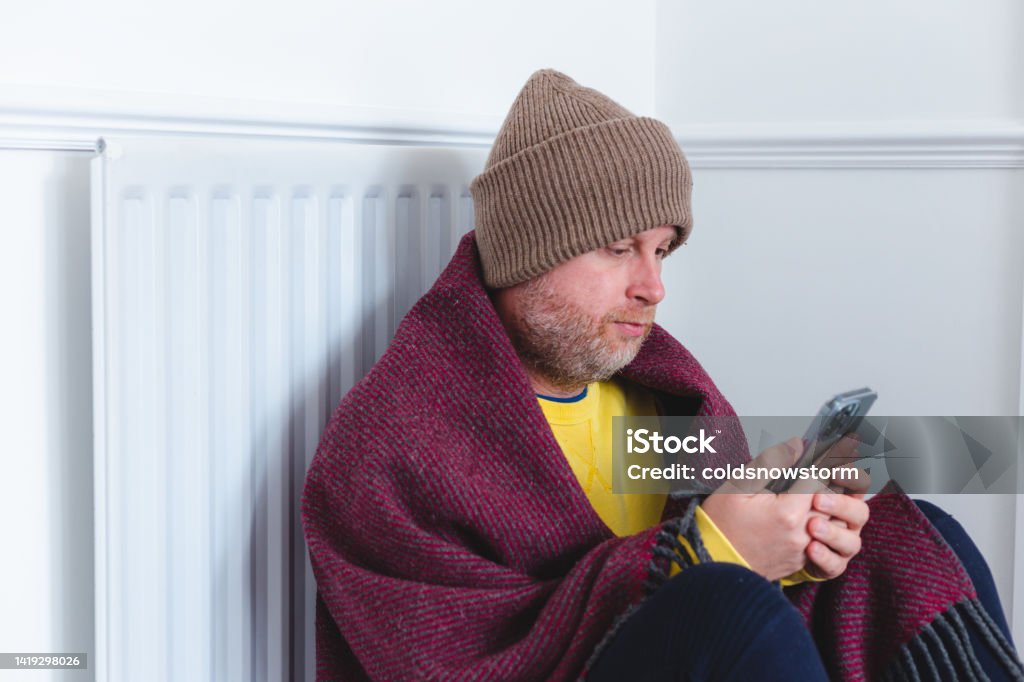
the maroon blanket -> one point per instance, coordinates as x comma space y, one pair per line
450, 539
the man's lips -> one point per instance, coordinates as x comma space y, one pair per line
632, 328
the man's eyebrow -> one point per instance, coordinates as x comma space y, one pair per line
664, 243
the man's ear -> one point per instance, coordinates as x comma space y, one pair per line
502, 300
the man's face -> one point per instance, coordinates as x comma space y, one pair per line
586, 319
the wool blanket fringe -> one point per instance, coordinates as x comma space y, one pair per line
942, 650
450, 539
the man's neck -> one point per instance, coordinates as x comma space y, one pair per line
543, 386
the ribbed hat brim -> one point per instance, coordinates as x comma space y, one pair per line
586, 188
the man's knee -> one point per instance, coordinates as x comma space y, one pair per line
736, 620
954, 534
951, 530
932, 511
715, 580
725, 596
714, 621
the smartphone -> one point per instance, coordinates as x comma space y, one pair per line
836, 418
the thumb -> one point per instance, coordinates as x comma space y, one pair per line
780, 456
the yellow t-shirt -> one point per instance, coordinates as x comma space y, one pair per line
583, 428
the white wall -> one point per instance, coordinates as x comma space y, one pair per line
800, 283
745, 62
453, 56
858, 202
46, 577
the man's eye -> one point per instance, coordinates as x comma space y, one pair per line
661, 253
618, 250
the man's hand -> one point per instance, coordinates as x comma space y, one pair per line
836, 532
769, 531
809, 525
839, 518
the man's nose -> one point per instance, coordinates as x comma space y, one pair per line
645, 283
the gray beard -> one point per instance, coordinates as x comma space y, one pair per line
559, 341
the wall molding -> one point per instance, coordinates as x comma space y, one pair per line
898, 144
74, 119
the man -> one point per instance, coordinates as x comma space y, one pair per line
459, 514
575, 326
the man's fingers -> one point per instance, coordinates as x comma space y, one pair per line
842, 452
825, 562
856, 483
840, 457
798, 501
809, 485
839, 539
779, 456
852, 510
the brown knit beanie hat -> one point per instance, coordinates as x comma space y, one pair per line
572, 171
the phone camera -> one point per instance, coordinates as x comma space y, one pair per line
840, 422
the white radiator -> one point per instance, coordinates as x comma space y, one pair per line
240, 288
